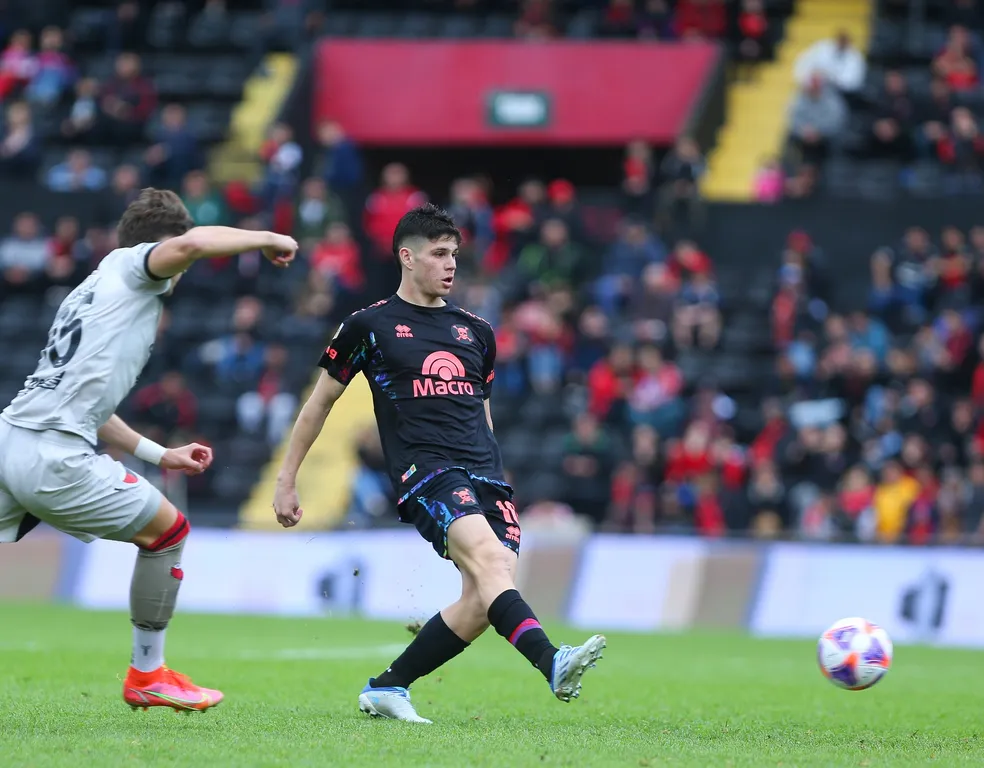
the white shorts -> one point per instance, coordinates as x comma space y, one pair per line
59, 479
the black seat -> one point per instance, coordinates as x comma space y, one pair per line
376, 25
497, 26
340, 24
243, 29
210, 122
216, 412
416, 25
458, 27
209, 31
224, 83
87, 26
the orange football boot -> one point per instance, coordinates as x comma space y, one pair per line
166, 688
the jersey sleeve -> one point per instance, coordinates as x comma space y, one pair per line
133, 265
345, 354
488, 370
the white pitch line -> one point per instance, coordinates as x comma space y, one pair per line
325, 653
322, 654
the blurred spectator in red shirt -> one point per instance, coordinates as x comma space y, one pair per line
610, 382
516, 223
386, 206
127, 101
17, 63
701, 18
688, 260
977, 388
763, 447
637, 184
536, 20
655, 398
691, 456
753, 35
338, 255
619, 20
167, 405
955, 64
562, 204
66, 233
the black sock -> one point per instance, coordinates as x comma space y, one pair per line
433, 646
515, 621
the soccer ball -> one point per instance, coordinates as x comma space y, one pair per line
854, 654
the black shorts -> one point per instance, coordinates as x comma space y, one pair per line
454, 494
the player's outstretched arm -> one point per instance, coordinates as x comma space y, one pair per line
309, 424
191, 459
175, 255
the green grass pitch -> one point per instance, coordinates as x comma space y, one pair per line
292, 685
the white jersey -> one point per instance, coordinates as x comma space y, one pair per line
98, 344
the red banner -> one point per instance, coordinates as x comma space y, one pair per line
509, 92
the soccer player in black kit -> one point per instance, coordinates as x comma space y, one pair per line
430, 366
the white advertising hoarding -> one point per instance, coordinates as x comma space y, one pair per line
636, 582
380, 574
930, 595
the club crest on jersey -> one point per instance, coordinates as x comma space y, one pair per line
464, 496
462, 333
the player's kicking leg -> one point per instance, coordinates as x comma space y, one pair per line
478, 551
480, 546
154, 588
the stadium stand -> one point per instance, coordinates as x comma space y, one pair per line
664, 363
910, 128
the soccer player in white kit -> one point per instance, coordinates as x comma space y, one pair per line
99, 342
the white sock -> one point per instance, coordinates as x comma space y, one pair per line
148, 649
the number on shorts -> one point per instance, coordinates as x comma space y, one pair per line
508, 510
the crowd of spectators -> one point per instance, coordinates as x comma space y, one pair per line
917, 105
869, 428
869, 425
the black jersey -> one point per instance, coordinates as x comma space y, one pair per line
430, 370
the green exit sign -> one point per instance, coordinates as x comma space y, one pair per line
519, 109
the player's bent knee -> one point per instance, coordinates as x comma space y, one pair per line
168, 529
489, 561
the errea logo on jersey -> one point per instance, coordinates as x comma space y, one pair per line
446, 368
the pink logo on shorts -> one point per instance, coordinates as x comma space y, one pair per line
131, 478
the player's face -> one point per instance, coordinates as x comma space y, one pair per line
434, 265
